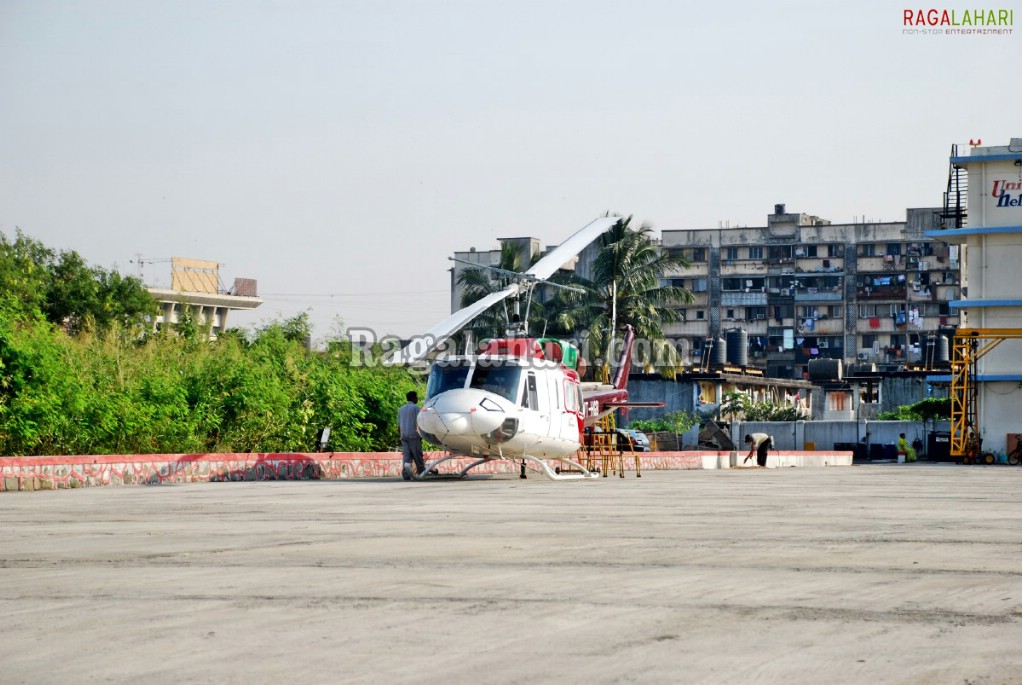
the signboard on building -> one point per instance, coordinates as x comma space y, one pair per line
998, 185
194, 275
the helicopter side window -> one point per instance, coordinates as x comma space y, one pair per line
500, 380
443, 378
530, 398
570, 397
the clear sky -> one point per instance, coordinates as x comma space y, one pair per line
339, 151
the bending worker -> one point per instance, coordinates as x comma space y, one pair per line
758, 444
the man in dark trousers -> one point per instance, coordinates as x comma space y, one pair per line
758, 443
411, 442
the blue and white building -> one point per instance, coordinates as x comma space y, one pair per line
989, 232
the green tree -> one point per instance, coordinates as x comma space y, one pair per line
24, 273
69, 292
929, 409
734, 405
628, 287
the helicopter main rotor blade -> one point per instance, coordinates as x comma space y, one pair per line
546, 267
420, 348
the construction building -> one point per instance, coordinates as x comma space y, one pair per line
196, 287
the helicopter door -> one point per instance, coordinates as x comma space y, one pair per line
556, 404
539, 401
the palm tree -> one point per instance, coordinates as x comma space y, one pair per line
627, 287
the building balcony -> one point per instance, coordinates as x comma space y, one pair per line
883, 292
881, 324
821, 265
734, 298
822, 327
923, 294
756, 327
880, 263
740, 267
809, 295
774, 354
698, 327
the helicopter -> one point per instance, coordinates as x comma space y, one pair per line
518, 398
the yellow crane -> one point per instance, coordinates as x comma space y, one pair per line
969, 346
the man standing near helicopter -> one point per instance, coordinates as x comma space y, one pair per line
411, 442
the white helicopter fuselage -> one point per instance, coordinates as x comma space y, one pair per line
503, 406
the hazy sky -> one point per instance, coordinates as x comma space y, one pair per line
339, 151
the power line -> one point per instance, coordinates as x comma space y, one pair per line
376, 294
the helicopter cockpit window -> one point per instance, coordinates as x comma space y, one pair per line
446, 377
500, 380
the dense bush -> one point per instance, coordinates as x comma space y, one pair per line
108, 394
929, 409
672, 422
79, 376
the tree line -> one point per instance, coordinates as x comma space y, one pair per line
82, 371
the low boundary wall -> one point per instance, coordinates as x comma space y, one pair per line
49, 473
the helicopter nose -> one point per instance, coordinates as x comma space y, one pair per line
463, 412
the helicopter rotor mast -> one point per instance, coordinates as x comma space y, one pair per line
542, 270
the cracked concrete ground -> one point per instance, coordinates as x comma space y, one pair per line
863, 574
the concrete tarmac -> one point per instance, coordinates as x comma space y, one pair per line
862, 574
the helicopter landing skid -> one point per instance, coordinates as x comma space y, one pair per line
432, 474
574, 470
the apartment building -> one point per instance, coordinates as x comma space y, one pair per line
803, 288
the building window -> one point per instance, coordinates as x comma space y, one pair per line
731, 253
835, 251
810, 250
699, 285
755, 253
837, 401
699, 254
730, 314
867, 250
893, 248
700, 315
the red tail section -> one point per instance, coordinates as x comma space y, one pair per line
624, 364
